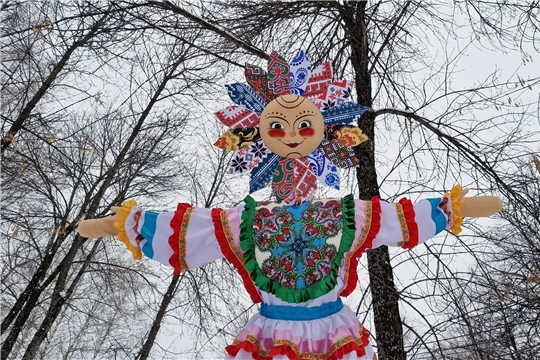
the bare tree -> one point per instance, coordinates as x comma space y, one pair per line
499, 298
99, 104
382, 46
42, 53
73, 153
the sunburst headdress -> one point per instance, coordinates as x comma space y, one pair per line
291, 177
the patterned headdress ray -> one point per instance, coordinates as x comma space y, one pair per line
291, 177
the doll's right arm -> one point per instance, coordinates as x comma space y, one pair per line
96, 228
183, 239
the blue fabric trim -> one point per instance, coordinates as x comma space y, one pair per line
278, 312
346, 113
437, 215
242, 94
147, 231
263, 173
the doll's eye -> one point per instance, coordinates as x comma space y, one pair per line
304, 124
276, 125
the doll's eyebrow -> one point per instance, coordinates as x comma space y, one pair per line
303, 116
278, 117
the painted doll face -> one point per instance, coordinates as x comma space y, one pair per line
291, 126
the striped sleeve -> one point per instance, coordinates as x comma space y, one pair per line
183, 239
406, 224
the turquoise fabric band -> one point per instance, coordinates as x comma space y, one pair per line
278, 312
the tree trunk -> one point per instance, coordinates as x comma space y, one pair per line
60, 296
388, 326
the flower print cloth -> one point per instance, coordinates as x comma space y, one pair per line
298, 261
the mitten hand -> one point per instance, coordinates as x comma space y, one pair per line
479, 206
96, 228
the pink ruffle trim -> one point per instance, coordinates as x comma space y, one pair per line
337, 351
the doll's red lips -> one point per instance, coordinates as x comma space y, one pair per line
293, 145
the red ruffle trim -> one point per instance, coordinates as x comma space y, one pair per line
287, 350
229, 254
374, 228
412, 227
174, 239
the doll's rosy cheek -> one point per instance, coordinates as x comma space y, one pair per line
276, 133
306, 132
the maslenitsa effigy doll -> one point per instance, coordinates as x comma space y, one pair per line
297, 256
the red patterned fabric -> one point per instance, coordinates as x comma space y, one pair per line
257, 79
278, 75
304, 179
282, 182
319, 80
237, 116
335, 94
340, 155
293, 178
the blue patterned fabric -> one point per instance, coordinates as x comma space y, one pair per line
299, 242
325, 171
262, 174
242, 94
346, 113
300, 68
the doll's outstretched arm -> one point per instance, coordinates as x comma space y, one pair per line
479, 206
96, 228
184, 239
406, 224
475, 206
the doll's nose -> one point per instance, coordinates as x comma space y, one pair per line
293, 133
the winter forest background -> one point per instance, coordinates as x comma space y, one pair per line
104, 101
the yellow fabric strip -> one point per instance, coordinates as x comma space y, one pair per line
230, 239
454, 196
182, 245
402, 224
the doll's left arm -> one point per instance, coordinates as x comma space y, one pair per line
406, 224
